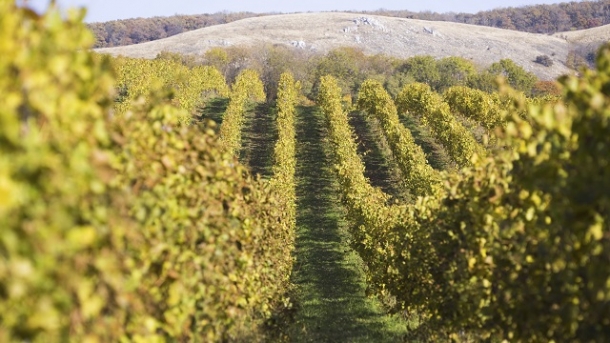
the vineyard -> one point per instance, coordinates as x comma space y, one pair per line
148, 201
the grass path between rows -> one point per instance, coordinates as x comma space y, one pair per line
259, 135
331, 305
435, 152
381, 171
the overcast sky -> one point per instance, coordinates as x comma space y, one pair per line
104, 10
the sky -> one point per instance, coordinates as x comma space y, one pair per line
105, 10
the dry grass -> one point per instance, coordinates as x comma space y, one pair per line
320, 32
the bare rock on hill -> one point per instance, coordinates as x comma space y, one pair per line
298, 44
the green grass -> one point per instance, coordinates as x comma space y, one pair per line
214, 110
331, 304
259, 135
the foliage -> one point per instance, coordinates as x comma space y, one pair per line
247, 87
140, 30
542, 88
270, 61
419, 100
419, 176
275, 61
62, 261
575, 61
476, 105
515, 75
217, 58
370, 219
344, 64
188, 85
122, 226
526, 205
471, 260
209, 259
283, 181
489, 79
454, 71
187, 60
422, 69
439, 74
119, 223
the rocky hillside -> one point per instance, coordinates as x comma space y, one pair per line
321, 32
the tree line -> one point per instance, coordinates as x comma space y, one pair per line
565, 16
351, 66
140, 30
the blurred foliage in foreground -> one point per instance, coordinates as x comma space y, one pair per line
119, 221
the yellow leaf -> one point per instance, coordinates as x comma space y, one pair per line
596, 231
82, 237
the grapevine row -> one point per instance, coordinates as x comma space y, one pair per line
475, 105
247, 87
410, 158
240, 223
283, 180
471, 261
136, 76
391, 240
419, 99
117, 222
533, 218
372, 223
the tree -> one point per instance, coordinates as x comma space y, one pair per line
517, 77
275, 61
542, 88
484, 81
344, 64
218, 58
187, 60
422, 69
454, 71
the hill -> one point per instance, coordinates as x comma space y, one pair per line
546, 18
400, 37
590, 38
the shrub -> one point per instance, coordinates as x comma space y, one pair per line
545, 60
